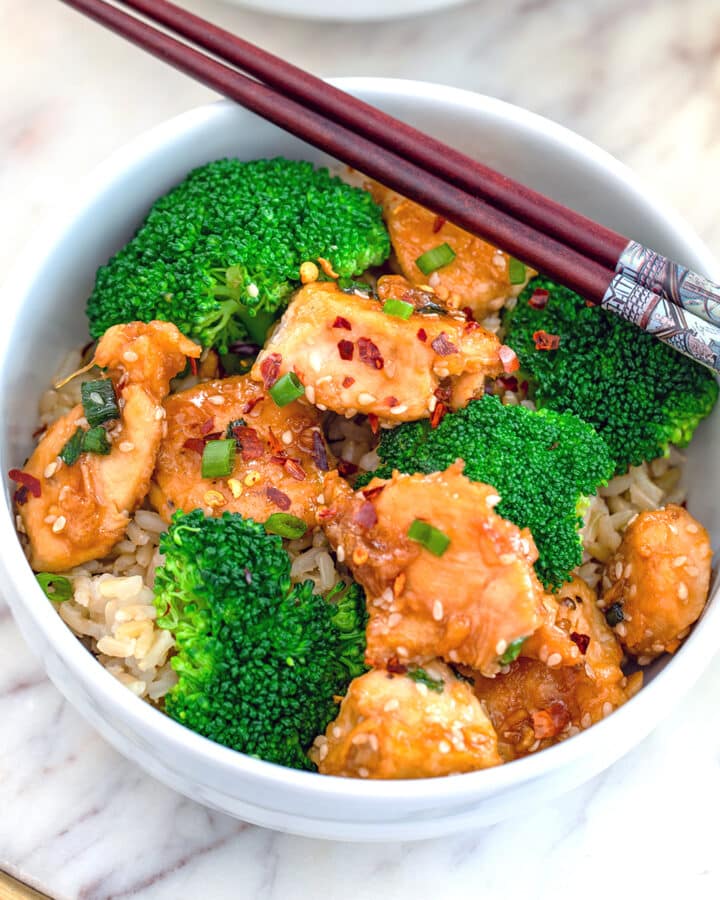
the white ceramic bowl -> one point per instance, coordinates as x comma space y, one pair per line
42, 317
348, 10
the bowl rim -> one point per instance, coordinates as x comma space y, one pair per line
120, 705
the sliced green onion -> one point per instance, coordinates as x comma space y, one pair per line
70, 453
435, 259
218, 459
431, 538
57, 588
99, 401
285, 525
512, 652
96, 441
398, 308
422, 677
516, 271
287, 389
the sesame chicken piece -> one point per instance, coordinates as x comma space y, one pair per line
465, 606
479, 275
279, 463
353, 357
568, 676
84, 508
391, 726
659, 581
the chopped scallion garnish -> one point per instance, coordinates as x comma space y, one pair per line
96, 441
516, 271
512, 652
398, 308
431, 538
286, 526
422, 677
57, 588
70, 453
99, 401
435, 259
287, 389
218, 459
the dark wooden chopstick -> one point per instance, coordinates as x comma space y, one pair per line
638, 284
565, 225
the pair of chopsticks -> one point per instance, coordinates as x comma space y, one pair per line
665, 299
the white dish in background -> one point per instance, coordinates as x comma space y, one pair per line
347, 10
42, 314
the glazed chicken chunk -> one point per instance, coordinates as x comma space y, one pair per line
550, 693
466, 605
279, 463
418, 725
479, 274
83, 509
353, 357
658, 581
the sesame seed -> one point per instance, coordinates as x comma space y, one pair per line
95, 397
618, 569
340, 553
50, 469
392, 704
453, 656
432, 403
492, 500
627, 571
644, 660
366, 399
444, 747
534, 746
64, 491
692, 528
126, 446
402, 651
130, 356
363, 772
159, 413
682, 590
252, 290
287, 437
373, 741
500, 647
544, 653
321, 499
554, 660
394, 619
692, 571
506, 559
316, 361
621, 629
321, 406
421, 688
632, 592
586, 720
437, 611
323, 752
607, 708
657, 648
216, 400
679, 561
399, 409
336, 732
310, 393
59, 524
49, 519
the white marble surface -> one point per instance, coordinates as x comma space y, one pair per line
639, 77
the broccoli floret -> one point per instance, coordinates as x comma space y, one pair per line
260, 661
543, 464
638, 393
219, 255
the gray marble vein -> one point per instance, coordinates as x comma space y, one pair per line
639, 77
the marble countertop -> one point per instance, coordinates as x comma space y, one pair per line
639, 77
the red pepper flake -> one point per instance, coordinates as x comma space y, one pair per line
251, 404
443, 346
249, 442
508, 358
590, 304
207, 426
438, 224
342, 322
345, 467
21, 495
471, 326
38, 431
26, 480
326, 513
294, 468
548, 723
422, 335
278, 497
582, 641
276, 445
319, 452
193, 365
369, 493
524, 387
374, 423
391, 401
348, 381
443, 392
508, 382
270, 369
438, 414
369, 353
468, 313
397, 668
346, 350
539, 298
365, 516
545, 341
197, 445
213, 436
